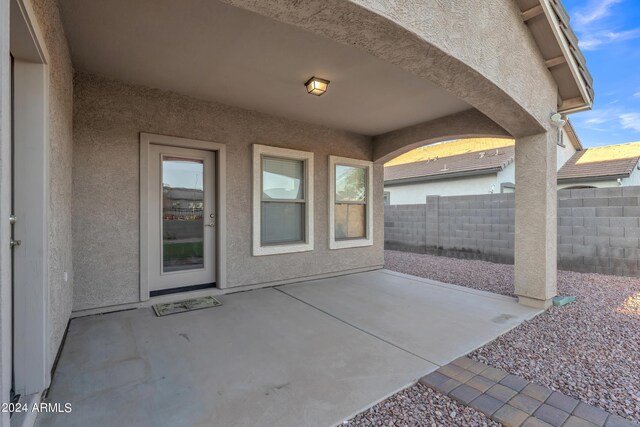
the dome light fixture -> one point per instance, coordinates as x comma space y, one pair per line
316, 86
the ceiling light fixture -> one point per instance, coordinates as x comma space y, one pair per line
317, 86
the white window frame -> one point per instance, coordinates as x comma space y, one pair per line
350, 243
259, 151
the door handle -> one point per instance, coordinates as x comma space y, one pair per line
14, 243
211, 224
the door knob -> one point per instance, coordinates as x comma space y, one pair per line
12, 219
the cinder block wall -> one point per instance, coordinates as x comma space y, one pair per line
598, 229
405, 228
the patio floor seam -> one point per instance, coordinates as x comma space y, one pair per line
358, 328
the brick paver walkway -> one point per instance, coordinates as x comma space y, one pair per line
514, 401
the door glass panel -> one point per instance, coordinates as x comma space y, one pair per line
182, 214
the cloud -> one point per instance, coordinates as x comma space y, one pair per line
630, 121
637, 94
595, 40
609, 120
595, 27
594, 11
600, 119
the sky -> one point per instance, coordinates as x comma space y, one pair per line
609, 34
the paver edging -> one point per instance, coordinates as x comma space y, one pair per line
514, 401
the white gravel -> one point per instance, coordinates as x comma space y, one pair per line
589, 349
420, 406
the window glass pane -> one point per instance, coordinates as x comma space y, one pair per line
351, 184
282, 222
182, 218
282, 179
350, 221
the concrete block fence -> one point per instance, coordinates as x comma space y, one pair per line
598, 229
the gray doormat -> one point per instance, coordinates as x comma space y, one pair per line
186, 305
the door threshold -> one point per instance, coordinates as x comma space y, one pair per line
181, 289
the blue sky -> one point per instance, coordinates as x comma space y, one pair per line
609, 33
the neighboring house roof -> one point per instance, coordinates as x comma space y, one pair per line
466, 164
548, 22
609, 162
450, 148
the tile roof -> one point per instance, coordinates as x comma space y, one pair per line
613, 161
450, 148
474, 163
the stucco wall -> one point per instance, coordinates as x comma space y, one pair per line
416, 193
60, 154
474, 32
108, 117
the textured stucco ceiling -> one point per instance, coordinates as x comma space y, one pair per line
213, 51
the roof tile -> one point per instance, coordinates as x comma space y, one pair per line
469, 163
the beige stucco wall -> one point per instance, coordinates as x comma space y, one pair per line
108, 117
60, 154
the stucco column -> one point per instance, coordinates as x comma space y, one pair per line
536, 227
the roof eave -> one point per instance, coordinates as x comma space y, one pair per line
585, 100
593, 178
438, 177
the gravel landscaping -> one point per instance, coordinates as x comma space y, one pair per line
589, 349
420, 406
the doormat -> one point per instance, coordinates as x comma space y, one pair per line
186, 305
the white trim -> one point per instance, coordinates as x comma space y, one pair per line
307, 157
31, 258
5, 209
221, 203
351, 243
31, 352
27, 41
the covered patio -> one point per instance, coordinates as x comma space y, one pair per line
168, 150
313, 353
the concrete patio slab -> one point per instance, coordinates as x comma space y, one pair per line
436, 321
260, 359
314, 353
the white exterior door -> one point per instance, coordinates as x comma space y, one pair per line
181, 218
